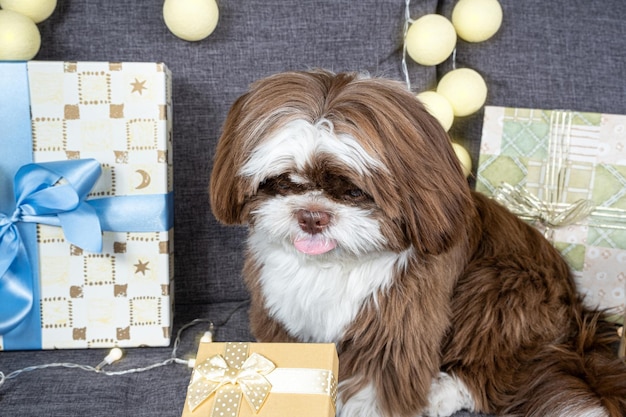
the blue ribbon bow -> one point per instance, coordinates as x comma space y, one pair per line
50, 193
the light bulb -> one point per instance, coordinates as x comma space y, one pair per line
114, 355
207, 337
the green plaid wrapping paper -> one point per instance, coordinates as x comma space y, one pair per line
570, 169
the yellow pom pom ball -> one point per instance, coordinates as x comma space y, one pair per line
19, 37
465, 89
191, 20
438, 106
464, 158
37, 10
430, 39
477, 20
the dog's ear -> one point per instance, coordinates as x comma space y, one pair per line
435, 196
425, 192
226, 188
269, 104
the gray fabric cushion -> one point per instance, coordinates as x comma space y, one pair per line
63, 392
556, 54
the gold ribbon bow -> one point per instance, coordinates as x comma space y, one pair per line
550, 211
524, 204
229, 378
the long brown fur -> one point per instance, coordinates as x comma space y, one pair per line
484, 296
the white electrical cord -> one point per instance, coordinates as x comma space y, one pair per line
407, 23
116, 354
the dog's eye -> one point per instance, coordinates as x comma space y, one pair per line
355, 195
282, 185
279, 185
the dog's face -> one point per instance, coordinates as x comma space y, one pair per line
338, 165
314, 192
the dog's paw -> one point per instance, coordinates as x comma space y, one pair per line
361, 404
447, 396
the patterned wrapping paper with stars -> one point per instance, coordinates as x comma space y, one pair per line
120, 115
563, 159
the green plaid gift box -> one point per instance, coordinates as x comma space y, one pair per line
565, 173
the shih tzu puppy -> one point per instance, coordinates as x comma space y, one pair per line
364, 232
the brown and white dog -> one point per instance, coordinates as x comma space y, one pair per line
364, 232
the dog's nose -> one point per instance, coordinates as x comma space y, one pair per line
312, 221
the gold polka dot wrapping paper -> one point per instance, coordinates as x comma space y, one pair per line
263, 379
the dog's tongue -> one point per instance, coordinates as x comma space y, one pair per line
314, 245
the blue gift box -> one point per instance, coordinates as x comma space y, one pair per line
85, 205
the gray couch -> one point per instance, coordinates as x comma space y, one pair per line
566, 54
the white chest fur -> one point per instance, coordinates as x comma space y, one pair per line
316, 298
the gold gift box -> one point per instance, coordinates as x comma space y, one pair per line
263, 379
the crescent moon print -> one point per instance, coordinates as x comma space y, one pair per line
145, 179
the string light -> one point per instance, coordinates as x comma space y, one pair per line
207, 337
114, 355
407, 23
460, 92
117, 354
